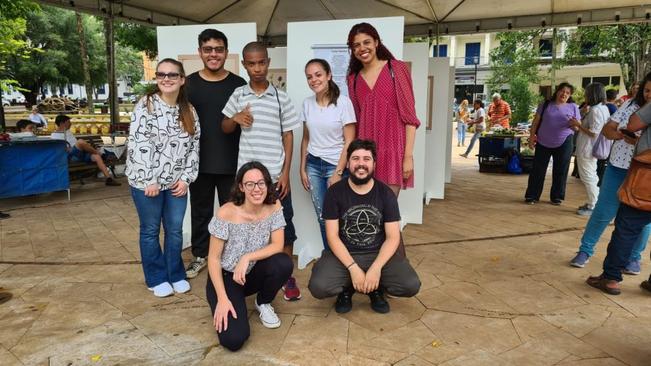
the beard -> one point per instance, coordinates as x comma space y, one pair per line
361, 181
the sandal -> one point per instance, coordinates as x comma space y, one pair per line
646, 285
610, 287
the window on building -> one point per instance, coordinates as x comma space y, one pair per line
442, 51
545, 46
587, 48
601, 79
70, 89
101, 89
615, 80
585, 82
472, 53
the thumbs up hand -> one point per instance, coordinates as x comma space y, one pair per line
244, 118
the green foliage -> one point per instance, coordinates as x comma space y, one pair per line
128, 64
138, 37
629, 45
140, 89
515, 66
12, 30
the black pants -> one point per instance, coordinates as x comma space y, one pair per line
330, 277
288, 214
202, 198
629, 224
562, 156
265, 279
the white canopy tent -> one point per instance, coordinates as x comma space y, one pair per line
422, 17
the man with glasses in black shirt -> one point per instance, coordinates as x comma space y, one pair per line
208, 91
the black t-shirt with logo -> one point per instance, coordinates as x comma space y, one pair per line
217, 151
361, 217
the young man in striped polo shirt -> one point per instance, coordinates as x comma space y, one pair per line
267, 119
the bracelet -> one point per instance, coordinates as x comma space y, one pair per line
350, 265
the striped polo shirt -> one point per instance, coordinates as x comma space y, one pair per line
273, 114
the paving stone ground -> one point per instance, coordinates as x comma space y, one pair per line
496, 290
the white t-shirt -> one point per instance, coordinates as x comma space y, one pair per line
593, 121
326, 126
622, 152
67, 136
479, 112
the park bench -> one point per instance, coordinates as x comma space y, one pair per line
79, 170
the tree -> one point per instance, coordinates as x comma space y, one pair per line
128, 64
629, 45
84, 63
138, 37
12, 30
514, 65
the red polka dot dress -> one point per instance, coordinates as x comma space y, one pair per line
382, 115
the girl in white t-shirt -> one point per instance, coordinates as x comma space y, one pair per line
478, 119
328, 127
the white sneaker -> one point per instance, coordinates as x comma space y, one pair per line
162, 290
268, 315
195, 267
181, 287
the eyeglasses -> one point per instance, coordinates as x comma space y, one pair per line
249, 186
208, 50
169, 75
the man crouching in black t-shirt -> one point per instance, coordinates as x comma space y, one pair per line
362, 222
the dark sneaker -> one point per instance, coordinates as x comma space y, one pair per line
378, 303
646, 285
556, 202
580, 260
529, 201
632, 268
344, 302
608, 286
291, 290
4, 216
112, 182
195, 267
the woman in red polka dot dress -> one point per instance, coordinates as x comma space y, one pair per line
380, 88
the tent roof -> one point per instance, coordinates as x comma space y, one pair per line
421, 16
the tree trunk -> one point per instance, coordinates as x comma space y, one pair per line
84, 64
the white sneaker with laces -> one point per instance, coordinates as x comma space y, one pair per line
195, 267
267, 315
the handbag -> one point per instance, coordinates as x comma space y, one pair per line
601, 147
636, 189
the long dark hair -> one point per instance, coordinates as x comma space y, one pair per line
382, 53
558, 90
639, 97
186, 116
333, 89
237, 195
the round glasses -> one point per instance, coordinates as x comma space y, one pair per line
249, 186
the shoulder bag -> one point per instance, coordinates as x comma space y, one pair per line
636, 188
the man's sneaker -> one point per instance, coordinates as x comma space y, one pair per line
181, 287
291, 291
580, 260
112, 182
268, 315
378, 303
530, 201
344, 302
556, 202
584, 210
4, 216
464, 155
632, 268
162, 290
646, 285
195, 267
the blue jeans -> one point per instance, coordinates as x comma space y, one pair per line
165, 266
461, 133
629, 223
318, 172
474, 138
605, 210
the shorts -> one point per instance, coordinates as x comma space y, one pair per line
79, 155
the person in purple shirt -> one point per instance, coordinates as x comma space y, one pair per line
551, 134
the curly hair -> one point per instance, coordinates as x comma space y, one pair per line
382, 52
237, 195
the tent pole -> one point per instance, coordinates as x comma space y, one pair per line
113, 90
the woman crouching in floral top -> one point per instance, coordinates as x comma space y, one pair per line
163, 159
246, 256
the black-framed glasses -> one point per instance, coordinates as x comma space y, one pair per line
169, 75
249, 186
208, 50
